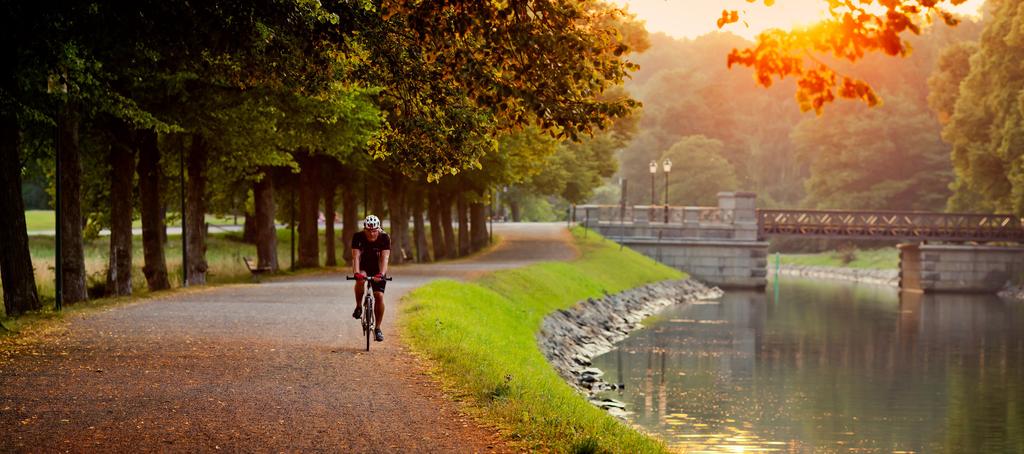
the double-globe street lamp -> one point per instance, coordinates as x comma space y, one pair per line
653, 166
654, 169
666, 165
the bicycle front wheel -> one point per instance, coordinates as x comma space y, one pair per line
367, 330
368, 324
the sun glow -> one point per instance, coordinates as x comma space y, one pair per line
692, 18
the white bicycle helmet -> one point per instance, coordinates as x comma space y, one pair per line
371, 222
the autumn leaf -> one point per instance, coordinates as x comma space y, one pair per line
728, 17
852, 30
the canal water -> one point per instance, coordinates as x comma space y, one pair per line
828, 367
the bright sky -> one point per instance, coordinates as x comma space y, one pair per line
692, 18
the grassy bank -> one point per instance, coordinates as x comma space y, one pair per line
878, 259
481, 336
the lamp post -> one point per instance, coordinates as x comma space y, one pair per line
654, 169
56, 84
292, 226
184, 219
666, 165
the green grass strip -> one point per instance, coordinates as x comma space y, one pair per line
36, 220
878, 259
482, 338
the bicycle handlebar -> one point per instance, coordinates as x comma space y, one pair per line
352, 278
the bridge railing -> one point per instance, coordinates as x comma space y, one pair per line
737, 218
653, 214
891, 225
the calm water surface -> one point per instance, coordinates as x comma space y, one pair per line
828, 367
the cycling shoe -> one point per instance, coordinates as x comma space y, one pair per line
357, 313
378, 335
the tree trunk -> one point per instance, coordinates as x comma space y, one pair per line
376, 200
514, 206
309, 204
249, 228
152, 213
329, 189
122, 165
195, 208
349, 220
419, 234
293, 210
163, 217
16, 273
72, 253
266, 231
478, 225
436, 230
461, 209
450, 245
397, 216
408, 242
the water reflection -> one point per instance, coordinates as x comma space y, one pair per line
830, 368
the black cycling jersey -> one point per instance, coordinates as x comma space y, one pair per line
369, 258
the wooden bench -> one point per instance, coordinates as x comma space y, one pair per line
256, 271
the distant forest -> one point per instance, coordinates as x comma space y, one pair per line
724, 133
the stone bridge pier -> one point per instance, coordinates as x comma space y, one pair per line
935, 268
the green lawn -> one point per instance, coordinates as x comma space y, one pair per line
39, 220
224, 256
44, 220
881, 259
482, 337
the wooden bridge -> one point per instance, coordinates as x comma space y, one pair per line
727, 245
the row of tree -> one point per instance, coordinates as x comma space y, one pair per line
423, 103
429, 106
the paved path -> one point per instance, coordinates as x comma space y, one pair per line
277, 366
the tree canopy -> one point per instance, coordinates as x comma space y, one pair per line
851, 30
985, 127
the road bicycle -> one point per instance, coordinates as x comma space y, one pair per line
369, 302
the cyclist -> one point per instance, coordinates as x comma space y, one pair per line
371, 249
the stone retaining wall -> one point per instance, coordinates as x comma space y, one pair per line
872, 276
727, 264
569, 338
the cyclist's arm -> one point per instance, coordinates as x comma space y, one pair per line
384, 255
355, 261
